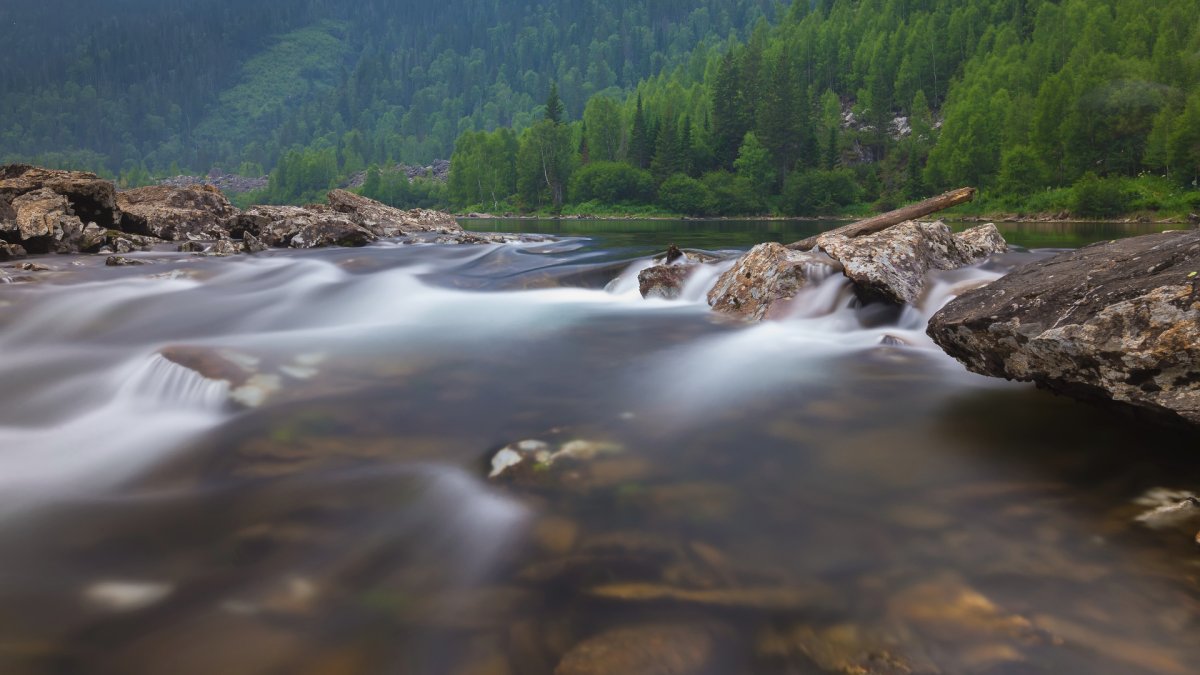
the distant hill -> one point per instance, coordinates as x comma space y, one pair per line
124, 85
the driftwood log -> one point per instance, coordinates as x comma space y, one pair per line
886, 220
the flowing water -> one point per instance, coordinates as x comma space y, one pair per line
823, 493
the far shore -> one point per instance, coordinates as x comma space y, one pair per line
965, 218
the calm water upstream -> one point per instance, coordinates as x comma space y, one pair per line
788, 497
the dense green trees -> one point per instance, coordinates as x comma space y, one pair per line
875, 102
131, 84
837, 104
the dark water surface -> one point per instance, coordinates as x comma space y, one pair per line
789, 497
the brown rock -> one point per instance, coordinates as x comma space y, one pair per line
194, 213
385, 221
761, 282
44, 222
663, 281
1117, 321
11, 251
649, 649
298, 227
892, 265
92, 199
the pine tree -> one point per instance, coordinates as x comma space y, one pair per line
554, 106
639, 138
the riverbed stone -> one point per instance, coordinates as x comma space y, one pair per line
1116, 321
648, 649
893, 265
192, 213
759, 285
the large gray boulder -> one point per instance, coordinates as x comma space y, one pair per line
1117, 321
763, 280
893, 264
192, 213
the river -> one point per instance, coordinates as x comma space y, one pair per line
795, 496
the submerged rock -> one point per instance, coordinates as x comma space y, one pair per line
765, 278
1117, 321
193, 213
120, 261
892, 265
649, 649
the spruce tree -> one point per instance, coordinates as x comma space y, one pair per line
554, 106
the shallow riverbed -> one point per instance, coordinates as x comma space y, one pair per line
789, 497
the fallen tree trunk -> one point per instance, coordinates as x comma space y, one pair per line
886, 220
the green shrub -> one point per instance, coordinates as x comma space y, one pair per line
1101, 197
612, 183
812, 193
1022, 172
731, 195
683, 194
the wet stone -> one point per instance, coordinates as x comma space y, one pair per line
649, 649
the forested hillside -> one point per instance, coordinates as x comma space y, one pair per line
1043, 105
133, 85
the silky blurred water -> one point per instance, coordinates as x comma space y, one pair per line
827, 497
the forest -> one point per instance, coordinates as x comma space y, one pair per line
707, 109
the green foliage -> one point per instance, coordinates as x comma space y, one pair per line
681, 193
205, 83
755, 166
612, 183
545, 161
819, 192
732, 195
554, 106
1021, 171
1100, 197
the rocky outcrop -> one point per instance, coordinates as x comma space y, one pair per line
298, 227
1117, 321
762, 281
11, 251
92, 199
43, 223
193, 213
385, 221
892, 265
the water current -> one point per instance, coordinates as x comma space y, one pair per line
279, 464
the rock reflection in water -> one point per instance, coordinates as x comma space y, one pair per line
791, 497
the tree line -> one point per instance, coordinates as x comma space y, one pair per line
1081, 104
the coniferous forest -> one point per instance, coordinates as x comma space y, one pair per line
710, 108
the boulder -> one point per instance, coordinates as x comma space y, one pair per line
92, 199
385, 221
44, 223
1117, 321
11, 251
663, 281
192, 213
761, 281
121, 261
892, 265
297, 227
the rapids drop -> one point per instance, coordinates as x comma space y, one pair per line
264, 463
